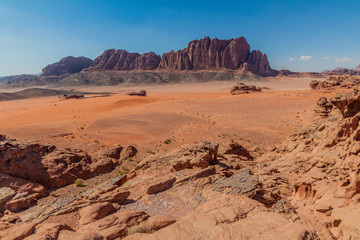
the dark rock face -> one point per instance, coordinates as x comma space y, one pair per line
121, 60
208, 54
258, 63
203, 54
147, 61
67, 65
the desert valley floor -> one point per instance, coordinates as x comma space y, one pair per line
183, 113
188, 161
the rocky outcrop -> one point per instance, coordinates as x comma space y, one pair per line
348, 104
67, 65
203, 54
233, 217
323, 107
191, 192
332, 82
241, 88
49, 166
322, 162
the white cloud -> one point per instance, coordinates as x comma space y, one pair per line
344, 59
305, 58
291, 59
325, 58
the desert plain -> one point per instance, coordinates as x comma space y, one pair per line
183, 113
185, 159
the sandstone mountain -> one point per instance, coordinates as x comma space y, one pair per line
66, 65
358, 68
204, 54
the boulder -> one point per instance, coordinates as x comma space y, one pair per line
142, 93
198, 155
323, 107
348, 103
241, 88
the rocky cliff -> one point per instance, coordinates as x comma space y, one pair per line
66, 65
204, 54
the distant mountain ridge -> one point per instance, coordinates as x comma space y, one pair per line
203, 54
343, 71
202, 60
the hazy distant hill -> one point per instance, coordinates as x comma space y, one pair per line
342, 71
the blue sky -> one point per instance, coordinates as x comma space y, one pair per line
34, 33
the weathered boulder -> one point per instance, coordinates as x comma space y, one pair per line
142, 93
200, 155
348, 104
323, 107
241, 88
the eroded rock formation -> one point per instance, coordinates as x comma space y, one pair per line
241, 88
333, 82
27, 170
323, 107
203, 54
322, 162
